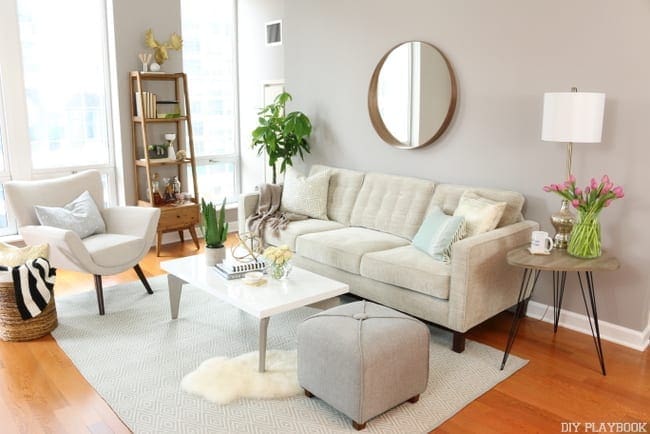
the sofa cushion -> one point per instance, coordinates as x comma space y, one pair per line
343, 248
409, 268
295, 229
447, 197
306, 196
343, 190
481, 214
438, 232
393, 204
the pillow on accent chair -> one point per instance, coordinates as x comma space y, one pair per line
437, 234
306, 196
481, 214
11, 256
81, 216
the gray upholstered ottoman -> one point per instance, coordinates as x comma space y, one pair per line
363, 359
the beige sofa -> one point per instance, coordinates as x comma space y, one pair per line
366, 243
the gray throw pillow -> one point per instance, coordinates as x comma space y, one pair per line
81, 216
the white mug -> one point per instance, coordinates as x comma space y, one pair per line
540, 242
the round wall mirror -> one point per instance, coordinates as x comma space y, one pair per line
412, 95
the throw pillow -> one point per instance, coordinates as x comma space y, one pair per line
81, 216
11, 256
437, 234
481, 214
306, 196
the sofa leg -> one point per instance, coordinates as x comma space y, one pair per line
142, 277
100, 293
308, 394
415, 399
358, 426
458, 345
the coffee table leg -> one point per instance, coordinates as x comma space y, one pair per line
264, 325
175, 287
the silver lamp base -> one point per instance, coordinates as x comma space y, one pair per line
563, 222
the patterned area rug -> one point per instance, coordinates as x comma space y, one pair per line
136, 356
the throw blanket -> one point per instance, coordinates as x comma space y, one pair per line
269, 213
33, 284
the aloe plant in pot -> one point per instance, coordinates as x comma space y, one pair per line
215, 231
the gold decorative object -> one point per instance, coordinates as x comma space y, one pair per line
248, 247
160, 50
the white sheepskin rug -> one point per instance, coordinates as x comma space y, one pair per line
223, 380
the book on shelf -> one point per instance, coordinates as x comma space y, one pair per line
145, 104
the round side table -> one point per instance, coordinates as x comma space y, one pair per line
559, 262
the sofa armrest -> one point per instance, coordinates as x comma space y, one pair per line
247, 207
482, 282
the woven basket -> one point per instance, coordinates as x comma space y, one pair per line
12, 325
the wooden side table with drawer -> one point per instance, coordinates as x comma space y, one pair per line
178, 218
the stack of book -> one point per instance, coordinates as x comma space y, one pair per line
233, 269
145, 104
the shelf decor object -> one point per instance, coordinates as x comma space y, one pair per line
176, 215
571, 117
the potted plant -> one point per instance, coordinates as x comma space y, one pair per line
215, 231
281, 135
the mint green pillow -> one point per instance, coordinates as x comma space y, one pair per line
438, 232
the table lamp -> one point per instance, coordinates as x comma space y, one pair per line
571, 117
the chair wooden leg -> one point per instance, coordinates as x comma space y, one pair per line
142, 277
195, 238
100, 293
458, 345
158, 242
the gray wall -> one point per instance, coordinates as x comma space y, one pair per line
506, 54
130, 20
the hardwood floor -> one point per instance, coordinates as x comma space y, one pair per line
42, 392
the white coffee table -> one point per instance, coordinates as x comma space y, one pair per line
300, 289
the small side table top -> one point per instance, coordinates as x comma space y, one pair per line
560, 260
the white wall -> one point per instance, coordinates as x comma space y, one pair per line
506, 54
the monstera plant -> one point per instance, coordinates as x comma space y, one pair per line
282, 136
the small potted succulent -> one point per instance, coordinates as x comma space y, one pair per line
215, 231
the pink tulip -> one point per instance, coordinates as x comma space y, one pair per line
607, 202
572, 178
594, 184
618, 191
547, 188
568, 184
605, 179
578, 191
575, 203
608, 186
587, 190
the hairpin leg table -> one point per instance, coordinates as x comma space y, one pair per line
559, 262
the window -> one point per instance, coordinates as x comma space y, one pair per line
65, 83
54, 67
210, 63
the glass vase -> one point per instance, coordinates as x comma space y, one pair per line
585, 236
279, 271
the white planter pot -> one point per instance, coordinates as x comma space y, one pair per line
214, 256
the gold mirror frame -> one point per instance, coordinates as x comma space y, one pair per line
375, 115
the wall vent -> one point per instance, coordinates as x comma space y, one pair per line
274, 33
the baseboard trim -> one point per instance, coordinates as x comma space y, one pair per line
637, 340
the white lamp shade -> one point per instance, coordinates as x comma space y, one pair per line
573, 117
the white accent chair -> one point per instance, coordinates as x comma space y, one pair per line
130, 230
